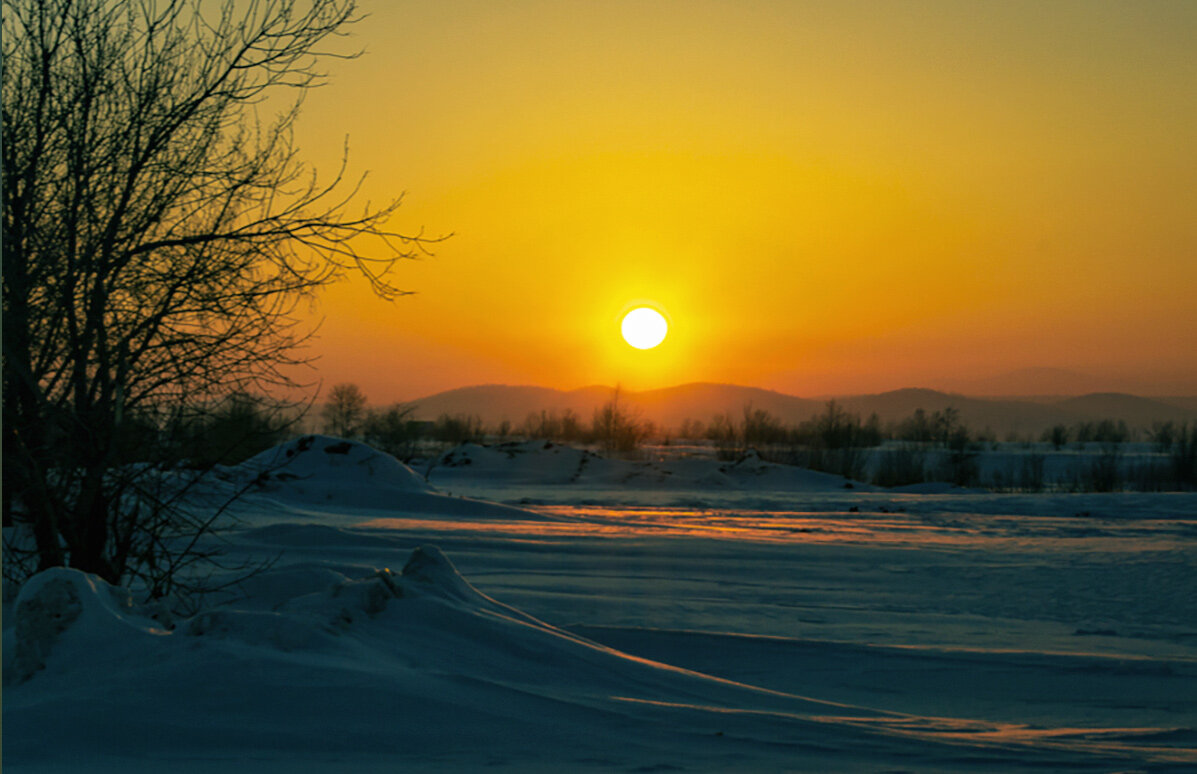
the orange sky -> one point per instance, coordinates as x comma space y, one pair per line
822, 197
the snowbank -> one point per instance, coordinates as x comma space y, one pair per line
320, 670
66, 613
330, 476
330, 462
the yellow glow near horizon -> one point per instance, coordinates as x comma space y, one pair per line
644, 327
834, 197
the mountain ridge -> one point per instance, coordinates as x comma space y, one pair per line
670, 406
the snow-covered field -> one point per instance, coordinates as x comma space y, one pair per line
540, 608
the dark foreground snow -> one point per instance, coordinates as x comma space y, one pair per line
655, 629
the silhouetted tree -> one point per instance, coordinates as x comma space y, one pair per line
238, 427
959, 465
945, 424
722, 431
345, 411
615, 428
1183, 455
760, 428
1057, 436
456, 429
544, 425
394, 431
156, 235
1162, 435
917, 428
692, 429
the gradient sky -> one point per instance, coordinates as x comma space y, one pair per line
821, 197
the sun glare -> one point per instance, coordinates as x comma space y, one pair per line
644, 328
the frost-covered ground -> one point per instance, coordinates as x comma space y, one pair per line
573, 613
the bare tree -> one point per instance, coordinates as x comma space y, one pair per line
345, 411
617, 429
157, 234
395, 431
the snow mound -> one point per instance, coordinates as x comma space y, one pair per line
332, 478
304, 621
63, 609
421, 666
429, 571
322, 459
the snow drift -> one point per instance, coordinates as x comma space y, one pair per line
332, 476
418, 668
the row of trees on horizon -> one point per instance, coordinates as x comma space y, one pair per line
347, 413
924, 446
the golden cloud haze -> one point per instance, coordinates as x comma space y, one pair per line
821, 196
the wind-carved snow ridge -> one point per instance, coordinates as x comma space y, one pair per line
62, 611
326, 659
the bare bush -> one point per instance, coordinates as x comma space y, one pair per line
901, 465
458, 429
157, 236
344, 413
615, 428
394, 431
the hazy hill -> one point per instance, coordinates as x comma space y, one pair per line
1060, 382
1001, 415
1133, 409
496, 402
1026, 381
669, 407
673, 405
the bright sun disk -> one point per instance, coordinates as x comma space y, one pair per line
644, 328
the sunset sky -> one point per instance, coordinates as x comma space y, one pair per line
820, 197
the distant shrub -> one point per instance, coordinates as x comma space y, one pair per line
1057, 436
235, 429
393, 431
345, 411
959, 465
937, 427
901, 465
1162, 434
849, 462
722, 431
1183, 455
1024, 473
1103, 473
1109, 431
691, 430
616, 429
458, 429
1031, 473
571, 427
760, 428
542, 425
917, 428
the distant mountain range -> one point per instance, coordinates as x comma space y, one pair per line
701, 401
1063, 382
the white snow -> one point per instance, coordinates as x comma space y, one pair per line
660, 615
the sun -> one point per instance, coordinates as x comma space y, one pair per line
644, 328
